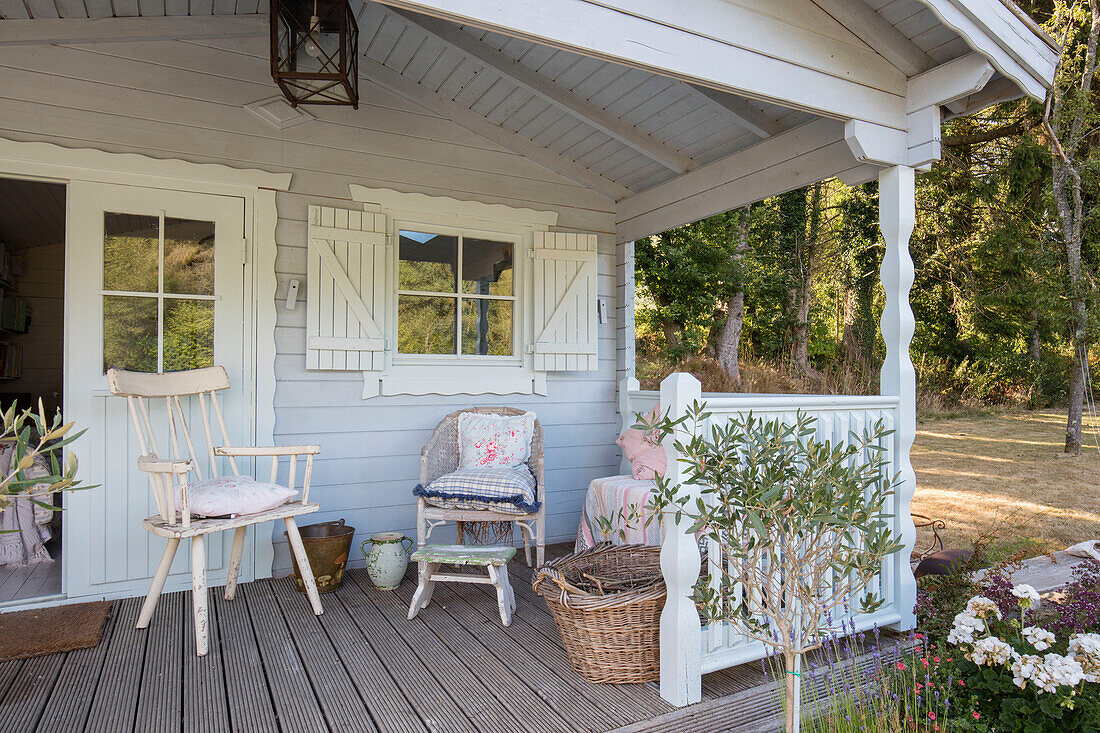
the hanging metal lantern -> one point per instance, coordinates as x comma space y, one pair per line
315, 51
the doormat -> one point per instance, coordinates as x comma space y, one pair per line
40, 631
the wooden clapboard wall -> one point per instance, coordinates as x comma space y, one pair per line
185, 100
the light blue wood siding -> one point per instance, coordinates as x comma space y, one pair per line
185, 100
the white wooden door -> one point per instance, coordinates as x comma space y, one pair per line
155, 281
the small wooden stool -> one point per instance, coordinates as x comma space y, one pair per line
494, 558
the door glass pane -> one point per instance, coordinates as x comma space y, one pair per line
188, 256
188, 334
130, 333
131, 248
428, 262
487, 327
425, 325
486, 267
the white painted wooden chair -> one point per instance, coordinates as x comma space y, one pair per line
439, 456
169, 480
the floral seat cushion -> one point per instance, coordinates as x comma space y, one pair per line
497, 489
232, 495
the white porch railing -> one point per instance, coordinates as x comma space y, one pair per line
691, 648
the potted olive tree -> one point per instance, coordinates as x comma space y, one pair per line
800, 524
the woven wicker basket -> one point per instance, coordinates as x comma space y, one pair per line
612, 637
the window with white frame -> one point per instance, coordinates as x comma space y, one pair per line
431, 295
456, 294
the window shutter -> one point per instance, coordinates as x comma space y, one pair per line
565, 302
345, 290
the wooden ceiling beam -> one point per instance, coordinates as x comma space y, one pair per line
742, 110
545, 89
877, 32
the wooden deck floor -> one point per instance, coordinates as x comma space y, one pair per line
362, 666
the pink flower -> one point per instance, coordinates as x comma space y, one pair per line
931, 716
901, 665
977, 715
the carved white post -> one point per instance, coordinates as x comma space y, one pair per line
681, 632
626, 385
897, 214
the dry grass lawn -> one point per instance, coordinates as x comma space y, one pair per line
1006, 472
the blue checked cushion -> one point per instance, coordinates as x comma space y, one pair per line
497, 489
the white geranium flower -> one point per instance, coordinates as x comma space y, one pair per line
960, 635
980, 607
1024, 668
1028, 596
991, 651
1085, 648
963, 629
1038, 637
1062, 671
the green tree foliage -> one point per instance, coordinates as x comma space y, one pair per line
995, 290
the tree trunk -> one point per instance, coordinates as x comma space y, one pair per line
727, 347
1034, 343
729, 338
803, 291
1066, 180
673, 331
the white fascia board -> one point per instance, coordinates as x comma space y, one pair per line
993, 30
793, 159
716, 44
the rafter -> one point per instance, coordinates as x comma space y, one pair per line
877, 32
474, 122
545, 89
747, 116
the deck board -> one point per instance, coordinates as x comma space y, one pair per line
386, 700
451, 674
340, 701
275, 667
436, 707
114, 704
296, 707
29, 691
79, 672
160, 700
249, 698
205, 708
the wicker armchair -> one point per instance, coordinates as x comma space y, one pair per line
440, 457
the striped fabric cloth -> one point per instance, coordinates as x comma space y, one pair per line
505, 490
623, 501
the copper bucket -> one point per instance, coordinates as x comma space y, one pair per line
327, 546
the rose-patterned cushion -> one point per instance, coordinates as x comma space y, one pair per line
229, 495
494, 441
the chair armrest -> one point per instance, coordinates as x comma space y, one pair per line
157, 465
269, 450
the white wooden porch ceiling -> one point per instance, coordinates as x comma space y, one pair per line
610, 123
